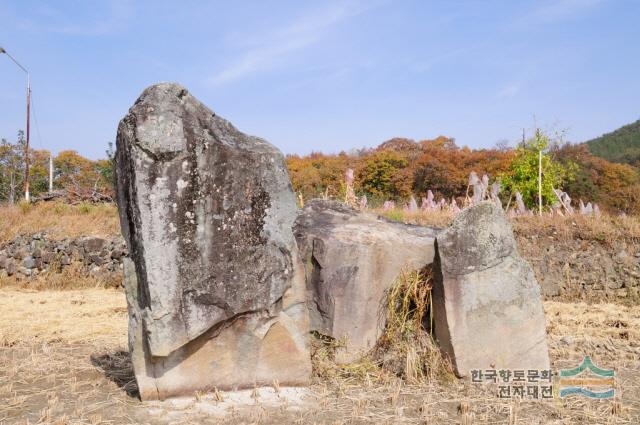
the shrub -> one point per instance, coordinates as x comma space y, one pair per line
25, 207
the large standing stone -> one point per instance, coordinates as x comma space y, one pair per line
215, 287
351, 259
487, 307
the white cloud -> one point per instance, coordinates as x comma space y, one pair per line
276, 46
509, 90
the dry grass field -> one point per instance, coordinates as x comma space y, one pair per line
606, 228
58, 220
61, 220
63, 360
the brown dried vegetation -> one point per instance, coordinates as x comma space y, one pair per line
59, 220
63, 359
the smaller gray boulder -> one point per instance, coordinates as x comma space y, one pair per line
487, 307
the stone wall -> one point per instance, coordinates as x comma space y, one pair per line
565, 269
30, 255
583, 269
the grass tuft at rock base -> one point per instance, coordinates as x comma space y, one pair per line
406, 350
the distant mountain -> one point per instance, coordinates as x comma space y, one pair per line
622, 145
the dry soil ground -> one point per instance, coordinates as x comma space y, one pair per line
63, 359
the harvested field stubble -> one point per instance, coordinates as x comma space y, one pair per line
92, 316
63, 359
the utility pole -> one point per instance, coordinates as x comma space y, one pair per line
540, 181
50, 173
26, 149
27, 197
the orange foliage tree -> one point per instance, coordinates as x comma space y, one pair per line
81, 176
400, 167
612, 185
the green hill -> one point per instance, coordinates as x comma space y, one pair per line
621, 145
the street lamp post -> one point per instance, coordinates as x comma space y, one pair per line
26, 149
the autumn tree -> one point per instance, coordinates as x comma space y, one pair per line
444, 167
622, 183
72, 170
107, 167
11, 169
316, 174
39, 171
81, 176
400, 167
439, 177
380, 176
614, 186
584, 184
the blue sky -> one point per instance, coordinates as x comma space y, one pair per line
327, 76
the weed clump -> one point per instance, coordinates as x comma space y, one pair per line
406, 349
326, 367
25, 207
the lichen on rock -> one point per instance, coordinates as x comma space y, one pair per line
207, 213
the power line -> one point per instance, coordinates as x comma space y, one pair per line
35, 119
